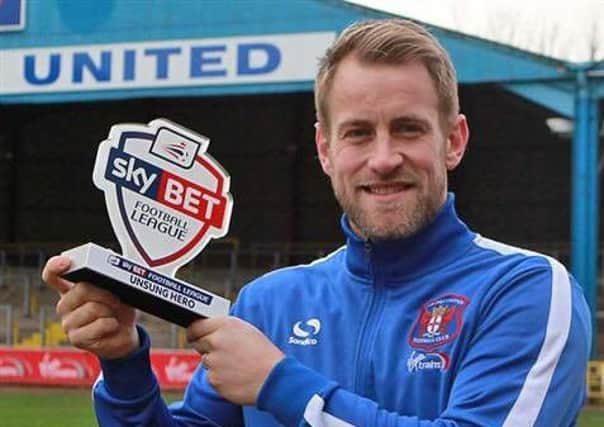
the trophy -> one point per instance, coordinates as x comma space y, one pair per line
166, 198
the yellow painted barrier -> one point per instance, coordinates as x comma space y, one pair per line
55, 336
595, 380
33, 341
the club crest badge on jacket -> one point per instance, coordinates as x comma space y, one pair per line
439, 322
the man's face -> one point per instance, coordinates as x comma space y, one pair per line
385, 149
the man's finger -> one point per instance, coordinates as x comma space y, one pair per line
202, 327
202, 346
51, 274
85, 314
82, 293
93, 333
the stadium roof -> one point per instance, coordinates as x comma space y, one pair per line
55, 25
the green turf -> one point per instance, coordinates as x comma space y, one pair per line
49, 408
592, 418
27, 407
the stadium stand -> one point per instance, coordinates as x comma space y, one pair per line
27, 306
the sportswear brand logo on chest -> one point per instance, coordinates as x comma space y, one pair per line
305, 332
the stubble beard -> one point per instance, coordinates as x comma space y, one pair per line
398, 221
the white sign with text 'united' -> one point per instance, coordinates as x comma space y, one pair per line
174, 63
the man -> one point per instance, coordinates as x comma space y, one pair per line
417, 320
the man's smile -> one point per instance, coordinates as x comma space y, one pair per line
386, 188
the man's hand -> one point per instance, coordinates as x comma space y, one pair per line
238, 356
93, 319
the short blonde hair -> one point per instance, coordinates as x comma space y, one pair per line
391, 42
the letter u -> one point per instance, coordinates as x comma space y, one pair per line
53, 70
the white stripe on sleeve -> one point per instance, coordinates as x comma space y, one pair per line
316, 417
526, 409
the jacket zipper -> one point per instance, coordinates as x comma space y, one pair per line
368, 327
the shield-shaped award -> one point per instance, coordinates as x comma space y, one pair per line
166, 198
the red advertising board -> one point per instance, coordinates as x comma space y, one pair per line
174, 369
68, 367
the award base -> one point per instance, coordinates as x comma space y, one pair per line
142, 287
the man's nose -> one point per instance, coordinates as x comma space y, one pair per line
384, 157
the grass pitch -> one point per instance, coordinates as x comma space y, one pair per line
50, 407
53, 407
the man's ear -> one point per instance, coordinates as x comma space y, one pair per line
457, 141
321, 141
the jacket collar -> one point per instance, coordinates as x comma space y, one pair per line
435, 245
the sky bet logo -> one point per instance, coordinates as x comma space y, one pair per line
165, 195
168, 189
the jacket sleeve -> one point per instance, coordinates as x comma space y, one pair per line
524, 365
127, 394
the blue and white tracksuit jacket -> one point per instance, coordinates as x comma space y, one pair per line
445, 328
